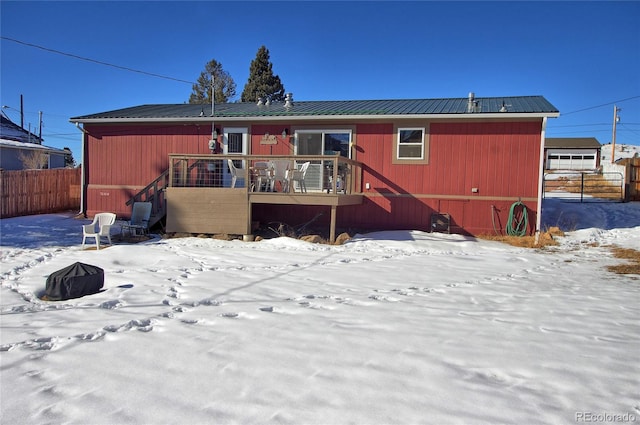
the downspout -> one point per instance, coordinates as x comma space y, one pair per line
540, 180
82, 174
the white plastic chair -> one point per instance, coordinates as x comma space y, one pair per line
263, 175
140, 215
235, 173
298, 176
99, 228
280, 172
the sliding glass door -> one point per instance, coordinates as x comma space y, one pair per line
321, 142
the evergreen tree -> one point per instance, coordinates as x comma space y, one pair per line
262, 82
69, 162
225, 87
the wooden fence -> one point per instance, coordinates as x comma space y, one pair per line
634, 180
29, 192
632, 177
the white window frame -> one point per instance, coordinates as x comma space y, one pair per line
317, 167
421, 144
245, 140
323, 131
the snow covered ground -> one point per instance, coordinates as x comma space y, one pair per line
392, 327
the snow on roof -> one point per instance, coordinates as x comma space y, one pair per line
12, 144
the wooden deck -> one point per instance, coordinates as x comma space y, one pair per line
201, 203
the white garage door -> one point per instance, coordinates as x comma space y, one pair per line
580, 159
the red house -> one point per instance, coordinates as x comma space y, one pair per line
455, 164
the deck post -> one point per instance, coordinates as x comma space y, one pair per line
248, 237
332, 229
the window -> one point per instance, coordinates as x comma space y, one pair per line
410, 143
322, 142
235, 142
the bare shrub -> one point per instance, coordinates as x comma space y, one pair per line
35, 159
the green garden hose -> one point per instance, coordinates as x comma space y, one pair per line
518, 220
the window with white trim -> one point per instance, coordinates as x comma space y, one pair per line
322, 142
410, 143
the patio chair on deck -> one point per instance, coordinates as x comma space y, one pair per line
235, 173
298, 176
100, 227
262, 176
139, 222
280, 171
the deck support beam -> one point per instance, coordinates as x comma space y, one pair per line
332, 229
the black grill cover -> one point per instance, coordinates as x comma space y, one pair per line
74, 281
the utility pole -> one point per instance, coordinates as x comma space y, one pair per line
21, 112
616, 118
40, 129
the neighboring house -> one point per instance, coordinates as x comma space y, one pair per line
578, 153
16, 144
403, 162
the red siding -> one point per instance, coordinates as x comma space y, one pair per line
283, 147
500, 159
122, 159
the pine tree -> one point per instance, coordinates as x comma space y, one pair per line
69, 162
262, 82
225, 87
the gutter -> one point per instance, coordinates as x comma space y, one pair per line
83, 173
540, 180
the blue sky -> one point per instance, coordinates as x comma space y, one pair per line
584, 57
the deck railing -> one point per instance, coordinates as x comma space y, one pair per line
330, 174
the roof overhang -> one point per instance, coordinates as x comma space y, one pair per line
293, 118
12, 144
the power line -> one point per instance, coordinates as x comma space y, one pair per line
600, 106
96, 61
632, 130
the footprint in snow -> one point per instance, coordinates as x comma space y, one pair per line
46, 344
144, 325
173, 293
110, 305
403, 292
315, 306
383, 298
91, 336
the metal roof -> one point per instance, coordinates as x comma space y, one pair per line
536, 105
571, 143
11, 131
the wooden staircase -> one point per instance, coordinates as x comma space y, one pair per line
154, 193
